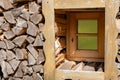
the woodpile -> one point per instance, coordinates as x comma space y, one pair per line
21, 40
64, 64
118, 44
80, 66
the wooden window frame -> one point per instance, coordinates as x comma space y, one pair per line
83, 55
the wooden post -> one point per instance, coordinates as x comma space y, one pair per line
49, 33
111, 7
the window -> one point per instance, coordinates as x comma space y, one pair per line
85, 36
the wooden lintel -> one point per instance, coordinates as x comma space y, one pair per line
78, 75
75, 4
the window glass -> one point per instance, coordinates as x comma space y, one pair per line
87, 43
87, 26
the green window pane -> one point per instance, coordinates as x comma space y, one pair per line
87, 43
87, 26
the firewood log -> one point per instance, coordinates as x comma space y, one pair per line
38, 68
67, 65
41, 57
18, 30
25, 15
21, 54
36, 18
33, 7
32, 29
79, 67
5, 26
3, 55
14, 63
9, 17
9, 44
20, 40
31, 59
19, 73
33, 51
41, 27
6, 4
2, 45
2, 20
20, 22
38, 41
9, 34
27, 77
36, 76
30, 39
10, 55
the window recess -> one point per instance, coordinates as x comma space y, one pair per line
85, 35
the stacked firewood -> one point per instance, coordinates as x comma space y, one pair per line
118, 43
81, 66
21, 40
64, 64
118, 56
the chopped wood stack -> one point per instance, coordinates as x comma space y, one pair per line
21, 40
79, 66
118, 55
63, 63
60, 44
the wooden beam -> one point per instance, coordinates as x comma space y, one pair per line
74, 4
78, 75
49, 45
111, 48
